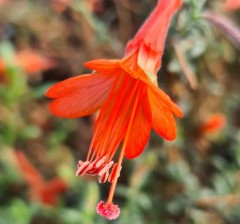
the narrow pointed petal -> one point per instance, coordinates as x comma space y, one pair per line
71, 85
162, 96
162, 118
102, 65
80, 96
140, 131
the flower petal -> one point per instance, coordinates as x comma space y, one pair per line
167, 100
102, 65
81, 95
162, 118
140, 130
129, 65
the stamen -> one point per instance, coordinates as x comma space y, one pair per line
97, 167
105, 168
83, 168
99, 161
116, 109
114, 173
121, 155
80, 162
103, 151
123, 115
91, 152
103, 178
94, 171
115, 178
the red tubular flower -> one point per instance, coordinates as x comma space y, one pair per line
46, 192
131, 103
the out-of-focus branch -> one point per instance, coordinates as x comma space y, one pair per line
226, 26
231, 200
124, 16
187, 70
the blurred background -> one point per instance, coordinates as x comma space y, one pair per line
192, 180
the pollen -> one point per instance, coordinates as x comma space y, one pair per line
98, 167
109, 211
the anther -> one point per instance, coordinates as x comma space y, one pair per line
103, 178
99, 161
83, 168
105, 168
114, 173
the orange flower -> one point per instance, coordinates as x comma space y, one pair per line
215, 123
231, 5
46, 192
30, 61
131, 103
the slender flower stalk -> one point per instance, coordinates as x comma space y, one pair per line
130, 102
